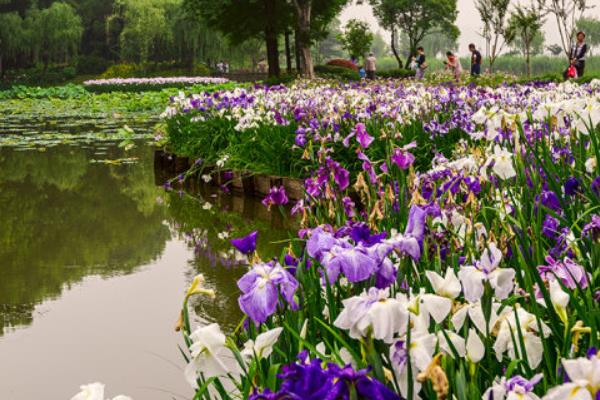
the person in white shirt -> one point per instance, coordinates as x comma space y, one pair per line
370, 66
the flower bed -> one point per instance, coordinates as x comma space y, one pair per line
143, 84
424, 267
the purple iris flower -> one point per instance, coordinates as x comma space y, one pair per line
592, 228
366, 387
309, 380
416, 223
519, 384
367, 166
261, 288
361, 233
312, 187
403, 159
267, 395
362, 136
596, 186
571, 274
550, 227
306, 380
473, 184
348, 206
354, 262
320, 241
228, 175
301, 137
341, 176
246, 244
276, 196
571, 186
549, 199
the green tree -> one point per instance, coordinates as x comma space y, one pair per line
591, 27
145, 24
416, 18
312, 19
329, 46
243, 20
379, 47
537, 45
566, 13
494, 15
555, 49
436, 42
12, 37
525, 24
53, 33
356, 38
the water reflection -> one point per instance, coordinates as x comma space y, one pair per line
94, 262
64, 218
207, 231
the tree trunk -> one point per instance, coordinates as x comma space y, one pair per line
303, 15
271, 39
412, 50
297, 54
394, 50
272, 52
527, 59
288, 52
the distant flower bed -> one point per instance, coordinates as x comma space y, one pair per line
149, 84
195, 80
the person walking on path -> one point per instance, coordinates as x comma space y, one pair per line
453, 65
370, 66
475, 60
577, 54
421, 63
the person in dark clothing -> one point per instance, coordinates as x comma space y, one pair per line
475, 60
421, 63
577, 54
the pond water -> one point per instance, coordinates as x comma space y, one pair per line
95, 258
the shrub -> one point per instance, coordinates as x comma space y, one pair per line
150, 70
396, 73
123, 70
340, 62
335, 72
284, 79
91, 64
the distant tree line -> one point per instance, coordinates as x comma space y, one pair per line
44, 32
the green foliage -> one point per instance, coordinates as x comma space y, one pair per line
209, 88
145, 24
396, 73
38, 76
494, 15
161, 69
356, 38
31, 92
283, 79
335, 72
524, 24
435, 43
416, 18
591, 27
91, 64
54, 33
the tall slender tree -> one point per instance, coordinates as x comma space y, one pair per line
494, 15
524, 24
566, 13
416, 19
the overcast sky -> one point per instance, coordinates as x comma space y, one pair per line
468, 22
